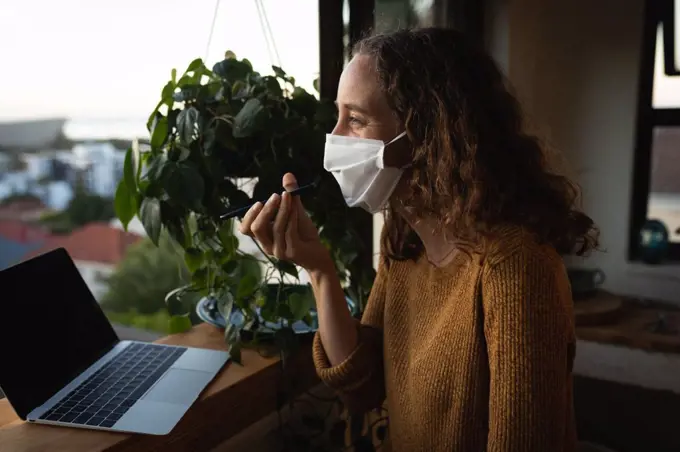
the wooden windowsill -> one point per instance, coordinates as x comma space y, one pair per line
235, 399
631, 326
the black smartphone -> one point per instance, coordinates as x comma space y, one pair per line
241, 211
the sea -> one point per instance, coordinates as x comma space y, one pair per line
106, 128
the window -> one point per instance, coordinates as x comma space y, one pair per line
656, 177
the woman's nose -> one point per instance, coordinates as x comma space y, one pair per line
339, 130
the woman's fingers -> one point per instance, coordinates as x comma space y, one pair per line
249, 217
280, 226
289, 181
292, 226
262, 224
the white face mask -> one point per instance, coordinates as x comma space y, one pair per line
358, 166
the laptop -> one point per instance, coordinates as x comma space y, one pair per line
62, 363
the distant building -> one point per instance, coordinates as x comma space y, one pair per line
33, 135
95, 248
25, 209
101, 165
18, 238
52, 175
5, 163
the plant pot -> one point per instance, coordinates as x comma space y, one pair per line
207, 310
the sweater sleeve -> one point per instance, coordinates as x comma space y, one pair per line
530, 339
359, 380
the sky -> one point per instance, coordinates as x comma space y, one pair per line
666, 89
110, 59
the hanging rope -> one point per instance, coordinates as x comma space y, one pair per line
212, 30
274, 57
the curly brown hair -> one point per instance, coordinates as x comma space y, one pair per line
474, 166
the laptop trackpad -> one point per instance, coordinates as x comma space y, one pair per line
180, 386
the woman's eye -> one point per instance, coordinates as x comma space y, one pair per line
355, 121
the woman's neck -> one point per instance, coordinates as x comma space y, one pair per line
438, 247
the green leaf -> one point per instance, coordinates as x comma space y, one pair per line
166, 94
185, 80
233, 340
288, 267
232, 69
300, 305
235, 353
246, 287
187, 125
130, 170
187, 93
185, 185
283, 311
317, 88
179, 324
273, 86
124, 204
193, 258
159, 132
174, 302
183, 154
227, 238
225, 304
199, 278
150, 215
248, 265
177, 227
279, 72
230, 266
247, 121
309, 321
156, 168
196, 64
239, 90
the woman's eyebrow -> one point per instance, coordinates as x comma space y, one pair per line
352, 107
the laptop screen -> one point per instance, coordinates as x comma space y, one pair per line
51, 329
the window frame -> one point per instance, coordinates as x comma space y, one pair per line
648, 118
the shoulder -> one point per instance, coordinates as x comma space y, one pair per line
524, 285
523, 271
514, 244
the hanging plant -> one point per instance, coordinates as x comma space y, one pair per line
210, 129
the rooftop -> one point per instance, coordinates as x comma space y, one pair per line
95, 242
21, 232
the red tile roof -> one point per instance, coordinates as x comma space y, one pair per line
95, 242
21, 232
27, 210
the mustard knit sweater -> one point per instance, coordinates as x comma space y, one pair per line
472, 356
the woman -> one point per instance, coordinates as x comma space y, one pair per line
468, 331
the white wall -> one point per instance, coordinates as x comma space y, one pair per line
91, 273
574, 65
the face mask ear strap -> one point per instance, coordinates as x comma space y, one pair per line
381, 153
401, 135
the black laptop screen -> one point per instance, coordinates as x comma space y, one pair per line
51, 329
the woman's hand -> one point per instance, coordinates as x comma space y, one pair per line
285, 231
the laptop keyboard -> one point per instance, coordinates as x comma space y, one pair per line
109, 393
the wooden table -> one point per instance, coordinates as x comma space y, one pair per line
238, 397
